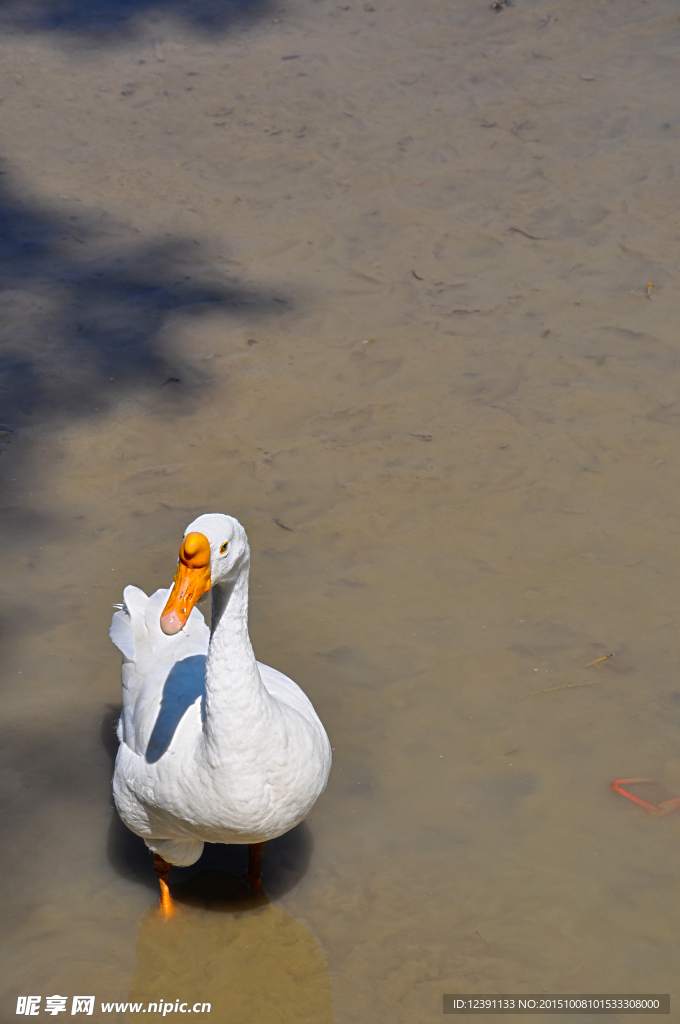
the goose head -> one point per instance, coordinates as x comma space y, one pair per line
214, 549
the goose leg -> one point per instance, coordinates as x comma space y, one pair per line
254, 873
163, 871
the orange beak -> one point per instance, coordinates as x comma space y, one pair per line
192, 581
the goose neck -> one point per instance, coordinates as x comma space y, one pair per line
235, 697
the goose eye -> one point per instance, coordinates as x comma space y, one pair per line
224, 547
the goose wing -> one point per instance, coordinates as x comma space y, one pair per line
162, 675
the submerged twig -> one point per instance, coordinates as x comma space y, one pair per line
521, 231
598, 660
551, 689
568, 686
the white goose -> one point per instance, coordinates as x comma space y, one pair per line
214, 746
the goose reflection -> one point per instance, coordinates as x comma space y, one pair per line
249, 959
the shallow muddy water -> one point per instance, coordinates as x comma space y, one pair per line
397, 286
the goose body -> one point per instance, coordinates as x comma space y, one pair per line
214, 746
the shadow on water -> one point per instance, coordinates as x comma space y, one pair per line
83, 304
111, 21
261, 966
212, 880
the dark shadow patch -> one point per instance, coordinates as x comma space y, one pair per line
83, 306
217, 890
81, 319
185, 685
114, 21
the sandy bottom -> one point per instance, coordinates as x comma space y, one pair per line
395, 284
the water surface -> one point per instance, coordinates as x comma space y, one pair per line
375, 279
